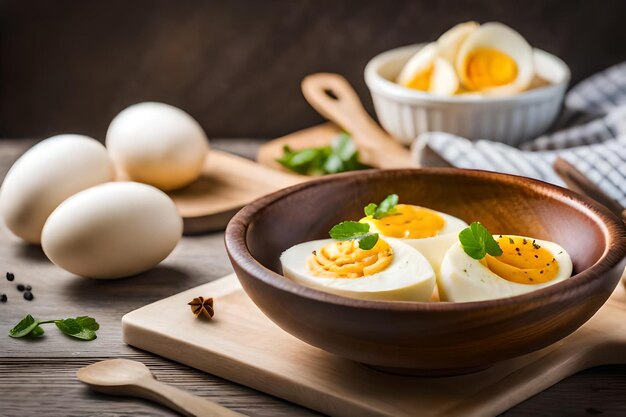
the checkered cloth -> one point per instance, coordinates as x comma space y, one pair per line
590, 134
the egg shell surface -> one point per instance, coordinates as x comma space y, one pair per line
112, 230
157, 144
47, 174
409, 277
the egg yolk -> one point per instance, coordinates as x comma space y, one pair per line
487, 68
523, 261
344, 259
421, 81
408, 222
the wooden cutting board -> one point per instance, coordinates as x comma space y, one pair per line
227, 183
316, 136
242, 345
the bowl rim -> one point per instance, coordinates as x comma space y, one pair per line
613, 228
380, 85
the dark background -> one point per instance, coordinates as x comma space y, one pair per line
70, 66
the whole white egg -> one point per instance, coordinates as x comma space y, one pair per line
112, 230
463, 278
47, 174
157, 144
409, 277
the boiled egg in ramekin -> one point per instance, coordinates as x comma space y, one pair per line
495, 60
450, 42
391, 270
430, 232
427, 71
525, 265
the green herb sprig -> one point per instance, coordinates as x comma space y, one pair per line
350, 230
477, 242
341, 156
385, 208
82, 327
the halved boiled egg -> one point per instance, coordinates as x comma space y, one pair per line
426, 71
525, 265
495, 60
391, 270
450, 42
430, 232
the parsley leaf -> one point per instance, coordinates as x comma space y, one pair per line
477, 242
350, 230
37, 331
82, 327
370, 209
25, 327
340, 156
368, 241
385, 208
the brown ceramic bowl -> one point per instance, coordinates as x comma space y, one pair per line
429, 338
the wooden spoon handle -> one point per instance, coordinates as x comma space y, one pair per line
181, 401
334, 98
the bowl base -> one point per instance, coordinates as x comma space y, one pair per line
427, 372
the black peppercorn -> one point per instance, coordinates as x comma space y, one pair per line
28, 295
3, 298
10, 276
21, 287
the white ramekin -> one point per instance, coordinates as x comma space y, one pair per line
405, 113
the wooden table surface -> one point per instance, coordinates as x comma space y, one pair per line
37, 377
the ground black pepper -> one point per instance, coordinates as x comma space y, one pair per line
21, 287
10, 276
3, 298
28, 295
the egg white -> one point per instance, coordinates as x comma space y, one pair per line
501, 37
434, 248
409, 277
450, 42
463, 278
443, 80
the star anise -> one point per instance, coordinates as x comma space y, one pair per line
201, 305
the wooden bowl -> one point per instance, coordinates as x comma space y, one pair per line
429, 338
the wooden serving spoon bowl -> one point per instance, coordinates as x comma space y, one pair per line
133, 379
429, 338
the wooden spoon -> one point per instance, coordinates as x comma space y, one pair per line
334, 98
131, 378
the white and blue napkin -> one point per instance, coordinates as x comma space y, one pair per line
590, 134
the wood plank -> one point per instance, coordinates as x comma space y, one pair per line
52, 386
39, 375
227, 183
242, 345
